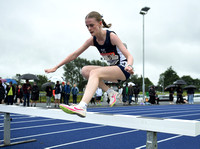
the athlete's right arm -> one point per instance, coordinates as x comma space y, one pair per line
72, 56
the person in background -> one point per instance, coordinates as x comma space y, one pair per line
58, 90
19, 94
130, 94
2, 92
120, 90
179, 91
99, 93
67, 93
152, 95
75, 92
35, 94
10, 93
63, 95
190, 94
49, 93
26, 88
125, 94
171, 95
136, 92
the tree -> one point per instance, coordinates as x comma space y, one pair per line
188, 79
42, 79
168, 77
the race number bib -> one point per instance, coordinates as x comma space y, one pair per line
111, 58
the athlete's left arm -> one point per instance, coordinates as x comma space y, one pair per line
116, 41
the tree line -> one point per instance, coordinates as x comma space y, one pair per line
72, 73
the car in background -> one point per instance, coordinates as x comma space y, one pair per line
163, 97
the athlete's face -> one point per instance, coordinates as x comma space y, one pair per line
93, 25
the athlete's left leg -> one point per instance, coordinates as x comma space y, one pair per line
96, 77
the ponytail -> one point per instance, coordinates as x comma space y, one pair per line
105, 25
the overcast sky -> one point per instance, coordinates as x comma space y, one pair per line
38, 34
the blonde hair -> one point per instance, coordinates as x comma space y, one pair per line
99, 18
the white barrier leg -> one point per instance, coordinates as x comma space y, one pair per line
7, 133
7, 128
151, 140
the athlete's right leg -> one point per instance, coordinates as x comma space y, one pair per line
86, 73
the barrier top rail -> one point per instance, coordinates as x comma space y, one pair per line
172, 126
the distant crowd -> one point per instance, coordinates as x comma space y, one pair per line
19, 94
28, 95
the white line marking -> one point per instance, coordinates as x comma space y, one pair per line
89, 139
38, 126
47, 119
51, 133
171, 112
145, 109
167, 139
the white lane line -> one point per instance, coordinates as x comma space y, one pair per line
167, 139
170, 112
48, 119
51, 133
89, 139
38, 126
183, 115
154, 108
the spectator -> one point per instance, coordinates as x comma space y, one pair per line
93, 99
120, 90
2, 92
63, 96
152, 95
58, 90
105, 97
26, 88
130, 94
171, 95
35, 94
179, 91
67, 93
157, 99
19, 94
136, 92
75, 92
49, 93
10, 93
190, 93
99, 93
125, 93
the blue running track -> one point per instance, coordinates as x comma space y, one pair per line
60, 134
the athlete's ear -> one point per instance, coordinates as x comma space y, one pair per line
100, 23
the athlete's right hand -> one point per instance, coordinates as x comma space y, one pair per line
50, 70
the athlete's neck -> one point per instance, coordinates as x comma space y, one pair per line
101, 36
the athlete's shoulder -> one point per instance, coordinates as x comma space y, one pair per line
89, 41
111, 32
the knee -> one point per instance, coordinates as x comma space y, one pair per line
85, 72
94, 73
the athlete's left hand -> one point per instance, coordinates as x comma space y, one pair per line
129, 69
